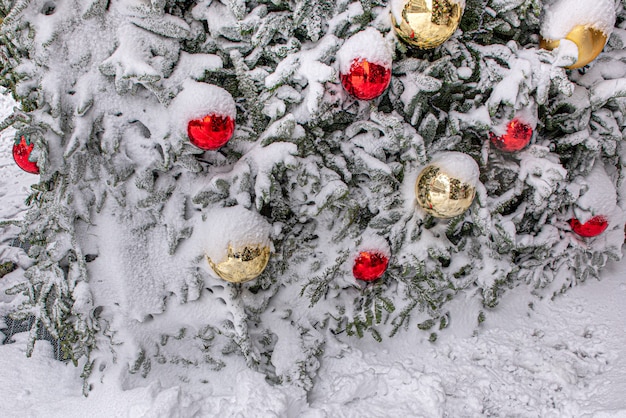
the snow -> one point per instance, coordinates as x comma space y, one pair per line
532, 356
197, 100
560, 17
374, 243
599, 197
458, 165
368, 45
561, 358
234, 226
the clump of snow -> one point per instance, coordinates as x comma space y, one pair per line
368, 45
234, 226
560, 17
458, 165
195, 66
464, 73
372, 242
219, 17
83, 300
566, 53
197, 100
600, 197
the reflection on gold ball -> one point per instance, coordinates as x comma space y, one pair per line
589, 41
442, 195
427, 24
242, 265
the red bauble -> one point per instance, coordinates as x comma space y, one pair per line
592, 228
210, 132
369, 266
21, 154
518, 135
366, 80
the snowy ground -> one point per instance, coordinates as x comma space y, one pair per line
530, 358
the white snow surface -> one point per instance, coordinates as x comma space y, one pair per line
560, 17
458, 165
531, 357
561, 358
374, 243
368, 45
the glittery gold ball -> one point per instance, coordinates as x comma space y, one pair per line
242, 264
444, 195
590, 43
426, 24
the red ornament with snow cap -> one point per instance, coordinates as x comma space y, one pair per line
210, 132
206, 112
517, 136
365, 65
22, 149
596, 204
592, 228
366, 80
370, 265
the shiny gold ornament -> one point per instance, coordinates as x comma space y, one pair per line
236, 242
443, 195
426, 24
242, 265
590, 43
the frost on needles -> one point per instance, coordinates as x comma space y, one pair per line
115, 222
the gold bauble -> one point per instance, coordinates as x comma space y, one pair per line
590, 43
441, 194
427, 24
242, 264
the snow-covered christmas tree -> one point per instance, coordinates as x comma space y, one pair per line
227, 179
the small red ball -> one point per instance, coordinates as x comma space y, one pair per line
366, 80
22, 149
518, 135
210, 132
592, 228
369, 266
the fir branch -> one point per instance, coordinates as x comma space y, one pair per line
320, 285
11, 19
